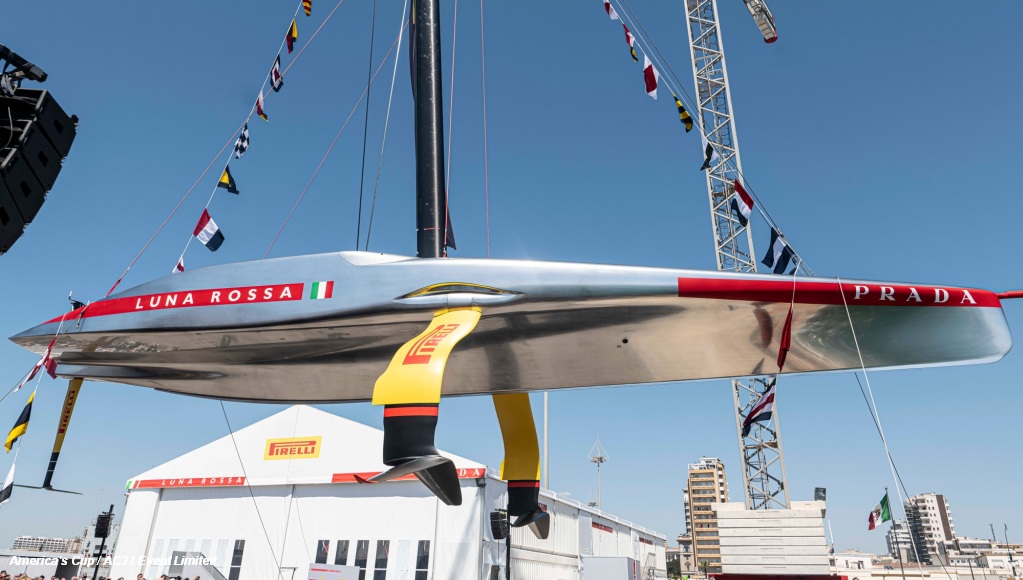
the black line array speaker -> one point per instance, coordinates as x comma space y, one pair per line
35, 137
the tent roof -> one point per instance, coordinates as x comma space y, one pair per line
299, 445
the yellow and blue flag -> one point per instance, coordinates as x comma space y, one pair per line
21, 425
227, 181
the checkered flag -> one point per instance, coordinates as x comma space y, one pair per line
242, 144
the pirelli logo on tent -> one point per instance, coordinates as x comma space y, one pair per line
292, 448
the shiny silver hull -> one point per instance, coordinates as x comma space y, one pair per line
322, 328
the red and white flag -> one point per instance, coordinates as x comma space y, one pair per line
631, 40
259, 107
610, 10
742, 204
650, 76
762, 410
44, 363
180, 266
207, 232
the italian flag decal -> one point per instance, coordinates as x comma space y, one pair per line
322, 290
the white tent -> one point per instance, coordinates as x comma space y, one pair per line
281, 493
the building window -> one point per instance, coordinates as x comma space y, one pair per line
322, 548
341, 557
236, 560
423, 561
383, 547
361, 557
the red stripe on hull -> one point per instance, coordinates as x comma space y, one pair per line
856, 294
188, 299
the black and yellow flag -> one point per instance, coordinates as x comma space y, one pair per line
227, 181
21, 425
683, 114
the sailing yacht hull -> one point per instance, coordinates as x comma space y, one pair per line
322, 328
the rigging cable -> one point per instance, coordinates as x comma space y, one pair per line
387, 121
451, 120
486, 161
227, 144
676, 85
365, 124
248, 486
873, 405
329, 149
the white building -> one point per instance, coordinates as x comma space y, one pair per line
930, 523
900, 542
41, 544
770, 542
298, 468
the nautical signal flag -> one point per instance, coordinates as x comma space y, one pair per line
710, 155
180, 266
259, 107
683, 114
778, 254
292, 35
762, 410
208, 232
5, 491
307, 5
227, 181
242, 144
742, 204
21, 425
276, 80
650, 77
881, 513
610, 10
631, 41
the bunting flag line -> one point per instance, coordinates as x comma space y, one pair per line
631, 42
881, 513
786, 340
762, 410
21, 425
683, 114
742, 204
710, 155
259, 107
208, 232
307, 5
650, 77
610, 10
180, 266
242, 144
292, 35
778, 254
276, 80
5, 492
227, 181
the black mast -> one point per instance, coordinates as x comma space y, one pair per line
431, 203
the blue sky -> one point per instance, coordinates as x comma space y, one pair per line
883, 138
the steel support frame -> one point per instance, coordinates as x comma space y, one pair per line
763, 460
